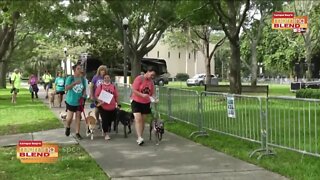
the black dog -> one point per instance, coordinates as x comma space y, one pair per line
157, 126
126, 118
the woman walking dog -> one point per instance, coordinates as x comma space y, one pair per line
107, 110
75, 87
142, 94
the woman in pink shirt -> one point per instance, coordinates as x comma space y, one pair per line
142, 93
107, 110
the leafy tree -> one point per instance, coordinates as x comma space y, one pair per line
40, 15
231, 17
147, 22
253, 29
197, 30
311, 37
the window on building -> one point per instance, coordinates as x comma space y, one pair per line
158, 54
169, 54
189, 55
147, 55
179, 55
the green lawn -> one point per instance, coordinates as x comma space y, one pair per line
24, 116
73, 163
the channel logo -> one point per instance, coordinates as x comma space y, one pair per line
37, 152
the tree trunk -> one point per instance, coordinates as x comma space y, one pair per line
207, 60
208, 70
235, 67
254, 66
3, 72
135, 66
308, 55
309, 64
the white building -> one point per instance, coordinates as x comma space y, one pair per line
180, 60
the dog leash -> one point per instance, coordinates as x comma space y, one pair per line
81, 102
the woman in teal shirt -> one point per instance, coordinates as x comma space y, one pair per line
75, 87
59, 86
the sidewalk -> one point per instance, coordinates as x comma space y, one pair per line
174, 159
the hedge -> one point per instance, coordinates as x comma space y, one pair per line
308, 93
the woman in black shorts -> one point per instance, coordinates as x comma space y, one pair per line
142, 93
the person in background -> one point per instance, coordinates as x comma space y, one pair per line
47, 78
16, 82
75, 87
95, 82
33, 82
107, 110
142, 94
59, 86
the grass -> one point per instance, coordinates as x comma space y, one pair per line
24, 116
73, 163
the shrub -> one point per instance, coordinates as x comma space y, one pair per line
308, 93
182, 76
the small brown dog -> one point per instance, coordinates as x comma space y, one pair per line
91, 123
51, 98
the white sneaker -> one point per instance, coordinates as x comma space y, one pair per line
107, 137
140, 141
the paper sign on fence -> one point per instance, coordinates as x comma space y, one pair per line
231, 107
105, 96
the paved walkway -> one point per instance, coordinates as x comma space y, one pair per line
175, 158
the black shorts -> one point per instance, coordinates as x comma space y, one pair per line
60, 92
47, 85
140, 108
14, 90
73, 108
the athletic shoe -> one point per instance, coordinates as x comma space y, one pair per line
107, 137
140, 141
78, 136
67, 131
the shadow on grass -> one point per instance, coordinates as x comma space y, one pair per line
39, 125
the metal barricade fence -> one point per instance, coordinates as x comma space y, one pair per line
164, 100
124, 92
293, 124
239, 116
184, 105
288, 123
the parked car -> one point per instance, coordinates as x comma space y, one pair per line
198, 80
